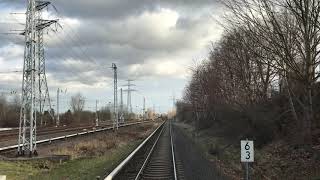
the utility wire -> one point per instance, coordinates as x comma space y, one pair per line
7, 72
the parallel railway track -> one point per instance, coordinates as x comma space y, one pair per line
12, 134
153, 159
49, 140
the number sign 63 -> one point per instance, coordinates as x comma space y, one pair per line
247, 151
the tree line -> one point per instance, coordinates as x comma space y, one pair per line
261, 79
75, 115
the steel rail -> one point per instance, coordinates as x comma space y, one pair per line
149, 155
70, 135
127, 160
173, 156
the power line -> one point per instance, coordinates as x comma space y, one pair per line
8, 72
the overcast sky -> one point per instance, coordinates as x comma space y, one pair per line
154, 42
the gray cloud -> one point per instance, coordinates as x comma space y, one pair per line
122, 8
118, 31
152, 41
114, 8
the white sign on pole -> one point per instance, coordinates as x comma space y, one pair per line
247, 151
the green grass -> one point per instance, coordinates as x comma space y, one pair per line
14, 170
87, 168
77, 169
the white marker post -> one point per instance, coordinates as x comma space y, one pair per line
247, 154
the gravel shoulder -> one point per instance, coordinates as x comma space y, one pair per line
190, 159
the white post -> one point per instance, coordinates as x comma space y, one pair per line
247, 155
247, 171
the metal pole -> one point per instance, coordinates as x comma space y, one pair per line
58, 118
144, 109
121, 106
115, 98
247, 171
128, 99
129, 94
97, 117
154, 112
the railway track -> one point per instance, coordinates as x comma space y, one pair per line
12, 148
153, 159
12, 134
45, 131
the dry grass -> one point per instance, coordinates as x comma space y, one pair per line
276, 160
88, 148
91, 155
99, 144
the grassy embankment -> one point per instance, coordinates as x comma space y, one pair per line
91, 157
83, 168
276, 160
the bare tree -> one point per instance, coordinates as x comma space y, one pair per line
289, 31
77, 103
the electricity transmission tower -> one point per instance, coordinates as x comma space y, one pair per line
35, 92
129, 90
44, 97
115, 97
121, 107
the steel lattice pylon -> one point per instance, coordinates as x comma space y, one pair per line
129, 90
28, 111
34, 84
44, 97
115, 97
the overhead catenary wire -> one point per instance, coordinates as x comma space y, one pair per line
73, 37
73, 51
8, 72
73, 54
77, 52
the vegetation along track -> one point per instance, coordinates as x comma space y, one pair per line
10, 149
153, 159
